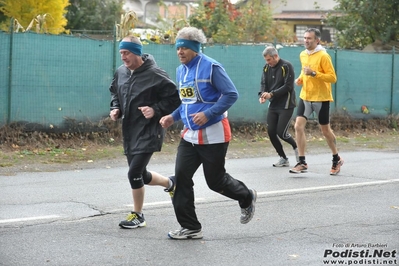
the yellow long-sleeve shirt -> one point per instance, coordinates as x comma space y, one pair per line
317, 88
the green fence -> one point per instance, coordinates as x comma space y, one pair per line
54, 81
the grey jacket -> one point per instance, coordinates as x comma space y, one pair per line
149, 85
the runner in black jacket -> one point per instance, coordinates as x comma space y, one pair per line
277, 86
141, 93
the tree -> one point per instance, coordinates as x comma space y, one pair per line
362, 22
256, 20
94, 14
248, 21
3, 18
216, 19
26, 11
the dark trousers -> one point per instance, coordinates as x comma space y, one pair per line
278, 122
212, 157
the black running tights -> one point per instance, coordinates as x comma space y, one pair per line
278, 122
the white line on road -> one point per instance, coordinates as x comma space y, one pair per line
158, 203
293, 191
332, 187
29, 219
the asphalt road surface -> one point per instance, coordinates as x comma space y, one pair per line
71, 217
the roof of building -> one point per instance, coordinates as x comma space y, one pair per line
301, 15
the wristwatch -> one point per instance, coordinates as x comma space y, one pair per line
313, 74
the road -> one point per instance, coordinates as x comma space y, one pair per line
71, 217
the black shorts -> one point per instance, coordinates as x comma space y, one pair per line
322, 110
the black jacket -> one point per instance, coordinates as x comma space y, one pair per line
280, 81
149, 85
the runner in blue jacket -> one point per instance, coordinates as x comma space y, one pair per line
206, 92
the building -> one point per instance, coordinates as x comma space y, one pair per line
297, 16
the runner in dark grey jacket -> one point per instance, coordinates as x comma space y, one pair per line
141, 93
277, 86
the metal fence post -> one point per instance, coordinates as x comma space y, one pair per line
113, 53
10, 73
392, 79
335, 84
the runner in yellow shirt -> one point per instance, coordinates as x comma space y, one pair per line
316, 77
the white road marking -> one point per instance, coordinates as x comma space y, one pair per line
28, 219
332, 187
291, 191
158, 203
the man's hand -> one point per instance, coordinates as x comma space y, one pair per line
199, 118
307, 70
166, 121
114, 114
147, 111
298, 82
264, 96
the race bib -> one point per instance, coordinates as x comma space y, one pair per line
188, 93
